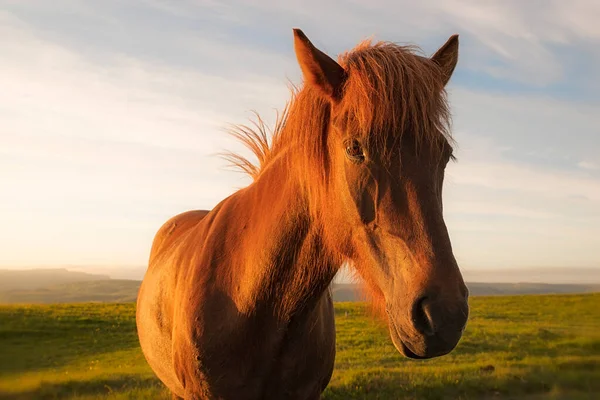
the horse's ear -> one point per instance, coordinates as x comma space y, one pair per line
447, 57
318, 68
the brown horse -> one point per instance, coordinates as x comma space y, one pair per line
235, 303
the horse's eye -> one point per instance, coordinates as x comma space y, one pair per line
354, 151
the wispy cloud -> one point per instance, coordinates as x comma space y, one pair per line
523, 179
589, 165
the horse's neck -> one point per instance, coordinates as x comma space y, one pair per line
290, 265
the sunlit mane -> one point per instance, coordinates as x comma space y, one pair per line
390, 89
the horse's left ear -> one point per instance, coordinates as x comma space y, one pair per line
318, 68
447, 57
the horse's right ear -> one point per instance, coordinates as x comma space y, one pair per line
447, 57
318, 68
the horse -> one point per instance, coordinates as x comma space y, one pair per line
236, 301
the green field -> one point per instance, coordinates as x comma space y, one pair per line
522, 347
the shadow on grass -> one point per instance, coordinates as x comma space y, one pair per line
36, 338
528, 344
121, 384
482, 383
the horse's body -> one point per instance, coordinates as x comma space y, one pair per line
245, 347
235, 302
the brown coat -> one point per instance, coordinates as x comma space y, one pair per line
235, 303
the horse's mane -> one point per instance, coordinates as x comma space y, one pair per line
256, 139
390, 88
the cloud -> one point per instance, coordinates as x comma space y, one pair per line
591, 165
523, 179
518, 195
533, 129
96, 156
511, 40
112, 113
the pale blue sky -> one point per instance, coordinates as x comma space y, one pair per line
112, 113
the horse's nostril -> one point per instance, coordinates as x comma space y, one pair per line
421, 317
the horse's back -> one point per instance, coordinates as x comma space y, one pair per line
154, 303
173, 229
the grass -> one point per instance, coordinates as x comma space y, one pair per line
518, 347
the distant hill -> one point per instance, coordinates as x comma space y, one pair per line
106, 291
37, 278
351, 292
123, 290
347, 292
503, 289
131, 272
553, 275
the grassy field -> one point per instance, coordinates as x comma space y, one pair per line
523, 347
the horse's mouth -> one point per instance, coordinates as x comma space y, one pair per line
400, 344
408, 352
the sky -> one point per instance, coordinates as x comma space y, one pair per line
112, 114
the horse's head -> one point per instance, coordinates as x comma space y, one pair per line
386, 144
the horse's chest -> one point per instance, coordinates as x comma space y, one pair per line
296, 363
305, 365
305, 362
